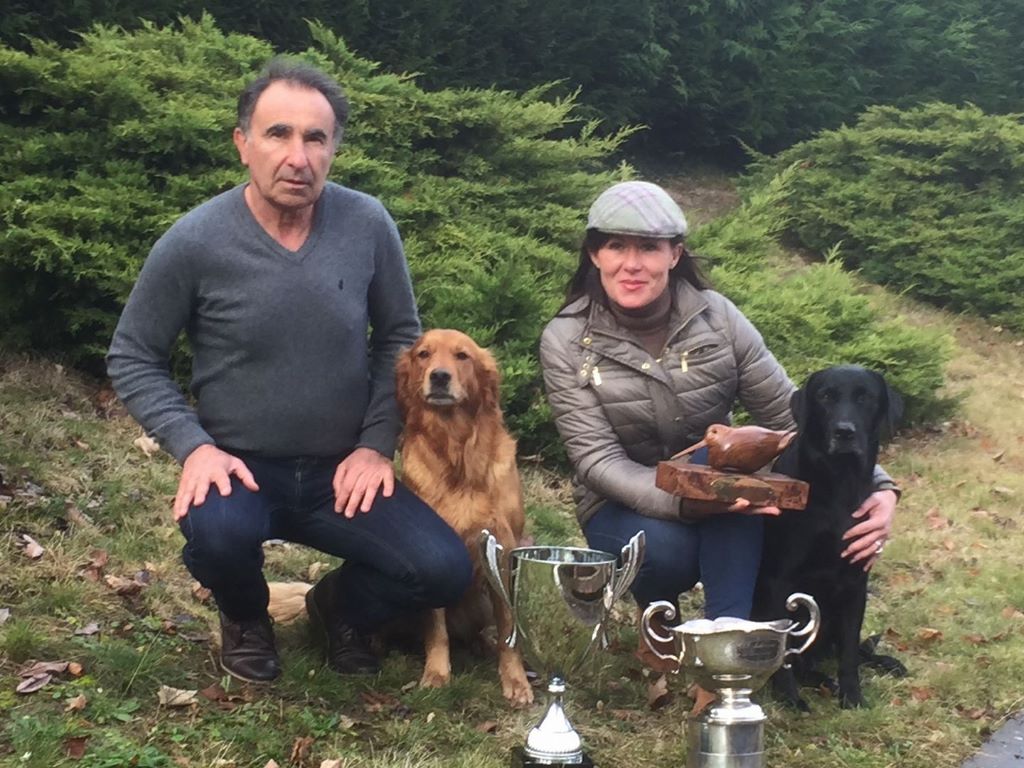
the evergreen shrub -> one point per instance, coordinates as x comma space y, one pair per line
928, 200
816, 316
106, 144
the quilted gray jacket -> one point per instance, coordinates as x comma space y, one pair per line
620, 411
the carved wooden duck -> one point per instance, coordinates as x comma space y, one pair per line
741, 449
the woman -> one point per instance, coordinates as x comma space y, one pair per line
640, 360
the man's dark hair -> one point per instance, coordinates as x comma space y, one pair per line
297, 73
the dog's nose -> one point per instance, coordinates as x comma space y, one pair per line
439, 377
845, 430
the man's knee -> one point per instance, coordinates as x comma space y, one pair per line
447, 577
224, 529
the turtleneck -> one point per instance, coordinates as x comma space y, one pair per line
649, 323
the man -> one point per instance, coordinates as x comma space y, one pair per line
278, 284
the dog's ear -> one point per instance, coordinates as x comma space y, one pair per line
489, 379
798, 405
891, 407
403, 374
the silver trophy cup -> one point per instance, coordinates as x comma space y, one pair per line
731, 658
560, 598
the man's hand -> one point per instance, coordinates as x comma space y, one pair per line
867, 538
208, 465
359, 477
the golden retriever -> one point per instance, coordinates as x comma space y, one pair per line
458, 457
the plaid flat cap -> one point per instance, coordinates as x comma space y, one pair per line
637, 208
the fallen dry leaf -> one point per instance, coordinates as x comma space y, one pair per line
972, 713
74, 746
176, 697
32, 548
200, 593
76, 704
33, 683
77, 516
936, 522
626, 715
74, 669
98, 559
90, 629
214, 692
657, 692
1009, 612
975, 639
5, 614
122, 586
147, 445
43, 667
949, 544
300, 750
921, 694
928, 634
373, 701
487, 726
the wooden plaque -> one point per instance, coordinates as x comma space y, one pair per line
702, 483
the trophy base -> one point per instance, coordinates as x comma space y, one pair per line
522, 760
716, 744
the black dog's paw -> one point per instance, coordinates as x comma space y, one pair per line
852, 700
888, 665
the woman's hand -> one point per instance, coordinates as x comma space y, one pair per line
866, 539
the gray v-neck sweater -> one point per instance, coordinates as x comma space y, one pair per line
283, 364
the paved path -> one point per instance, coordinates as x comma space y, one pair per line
1004, 749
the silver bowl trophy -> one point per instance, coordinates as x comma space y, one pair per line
560, 598
731, 658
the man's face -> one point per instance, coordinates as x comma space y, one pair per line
289, 146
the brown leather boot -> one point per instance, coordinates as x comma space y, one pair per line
247, 649
348, 650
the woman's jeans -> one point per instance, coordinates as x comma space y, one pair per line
400, 557
722, 550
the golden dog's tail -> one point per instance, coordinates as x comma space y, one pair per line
287, 600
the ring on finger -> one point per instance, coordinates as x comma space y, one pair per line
879, 546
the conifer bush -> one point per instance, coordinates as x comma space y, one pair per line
928, 200
816, 317
107, 143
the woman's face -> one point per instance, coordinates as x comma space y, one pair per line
634, 270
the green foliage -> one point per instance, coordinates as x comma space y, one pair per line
108, 143
928, 200
701, 74
812, 318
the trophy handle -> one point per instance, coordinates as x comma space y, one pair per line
809, 630
632, 557
661, 606
491, 552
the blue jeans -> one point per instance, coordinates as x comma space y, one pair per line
722, 551
400, 557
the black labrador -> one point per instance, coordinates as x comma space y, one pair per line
842, 414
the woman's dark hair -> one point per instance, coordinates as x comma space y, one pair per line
298, 73
587, 280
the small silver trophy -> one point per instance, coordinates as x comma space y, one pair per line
560, 598
731, 658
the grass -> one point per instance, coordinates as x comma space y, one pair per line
947, 598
